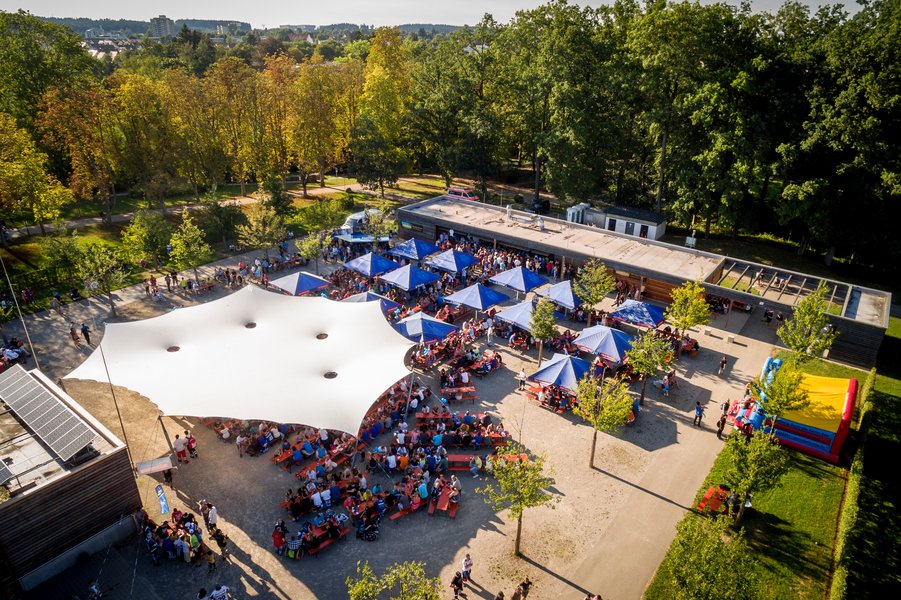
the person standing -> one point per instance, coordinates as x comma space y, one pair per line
220, 593
212, 520
86, 333
720, 425
181, 453
191, 444
699, 412
522, 378
723, 363
467, 568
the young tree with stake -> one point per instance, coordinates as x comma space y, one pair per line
593, 283
688, 308
544, 324
606, 407
647, 354
783, 394
808, 333
101, 269
189, 247
755, 465
521, 484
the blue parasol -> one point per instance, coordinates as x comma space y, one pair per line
477, 296
608, 343
409, 277
300, 283
563, 371
452, 261
371, 264
638, 313
424, 329
519, 279
414, 249
561, 294
387, 304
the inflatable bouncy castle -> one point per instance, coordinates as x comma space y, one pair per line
821, 428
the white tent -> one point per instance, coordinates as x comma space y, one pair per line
258, 355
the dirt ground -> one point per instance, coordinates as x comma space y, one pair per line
606, 534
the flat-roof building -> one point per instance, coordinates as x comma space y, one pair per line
860, 314
70, 484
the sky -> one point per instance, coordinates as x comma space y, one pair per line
272, 13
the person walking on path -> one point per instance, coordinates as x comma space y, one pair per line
192, 444
467, 568
86, 333
723, 363
457, 585
522, 378
699, 412
73, 333
526, 587
212, 518
720, 425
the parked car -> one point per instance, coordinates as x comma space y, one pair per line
462, 193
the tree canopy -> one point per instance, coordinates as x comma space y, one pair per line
807, 333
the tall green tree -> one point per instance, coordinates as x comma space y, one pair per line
808, 333
310, 247
220, 218
189, 247
688, 307
102, 271
146, 237
519, 484
647, 355
754, 465
61, 252
593, 283
700, 563
783, 393
400, 581
36, 56
316, 139
543, 324
263, 229
606, 406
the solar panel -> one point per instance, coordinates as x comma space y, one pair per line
5, 473
51, 420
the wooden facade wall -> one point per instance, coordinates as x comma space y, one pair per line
37, 526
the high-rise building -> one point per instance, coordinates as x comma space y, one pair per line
162, 26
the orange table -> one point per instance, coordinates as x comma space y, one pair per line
444, 498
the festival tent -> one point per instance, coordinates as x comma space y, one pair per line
414, 249
325, 362
519, 315
386, 303
424, 329
563, 371
452, 261
409, 277
561, 294
371, 264
477, 296
608, 343
519, 279
638, 313
300, 283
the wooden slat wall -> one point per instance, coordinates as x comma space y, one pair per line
36, 527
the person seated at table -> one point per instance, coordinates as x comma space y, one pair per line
306, 449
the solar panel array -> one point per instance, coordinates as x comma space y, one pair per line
51, 420
5, 473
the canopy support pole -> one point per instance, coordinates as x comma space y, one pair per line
165, 433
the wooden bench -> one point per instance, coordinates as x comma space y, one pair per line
328, 542
465, 398
403, 513
452, 511
204, 287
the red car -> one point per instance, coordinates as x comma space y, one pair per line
462, 194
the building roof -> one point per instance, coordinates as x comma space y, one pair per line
619, 250
30, 460
636, 214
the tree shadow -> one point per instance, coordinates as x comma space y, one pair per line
554, 574
776, 539
643, 489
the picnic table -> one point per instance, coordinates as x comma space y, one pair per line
468, 389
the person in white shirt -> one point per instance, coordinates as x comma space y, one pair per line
464, 377
213, 517
323, 435
317, 499
399, 436
392, 462
220, 593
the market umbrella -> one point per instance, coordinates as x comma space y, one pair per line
414, 249
477, 296
409, 277
519, 279
424, 329
563, 371
607, 343
561, 294
371, 264
452, 261
300, 283
519, 315
638, 313
387, 304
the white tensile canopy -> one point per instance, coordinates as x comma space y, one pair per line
258, 355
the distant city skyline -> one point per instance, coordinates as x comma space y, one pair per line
272, 13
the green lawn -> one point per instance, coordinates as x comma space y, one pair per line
824, 368
790, 529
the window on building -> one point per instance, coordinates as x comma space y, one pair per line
611, 224
643, 232
630, 228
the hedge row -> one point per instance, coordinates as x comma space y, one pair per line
848, 519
